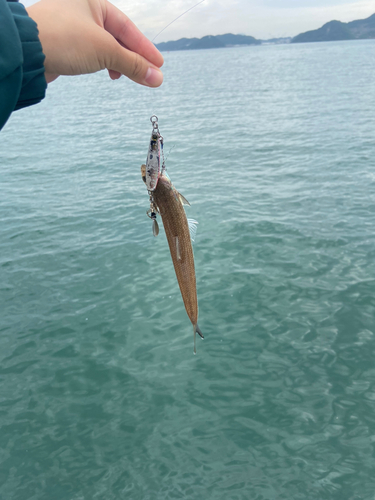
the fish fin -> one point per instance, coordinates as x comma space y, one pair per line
183, 200
197, 330
192, 228
155, 227
178, 253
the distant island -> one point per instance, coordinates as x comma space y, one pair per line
336, 30
332, 31
209, 42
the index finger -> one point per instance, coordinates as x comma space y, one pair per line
127, 33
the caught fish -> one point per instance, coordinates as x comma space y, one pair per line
180, 231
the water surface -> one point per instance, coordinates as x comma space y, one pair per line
101, 396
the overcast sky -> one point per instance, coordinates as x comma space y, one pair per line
259, 18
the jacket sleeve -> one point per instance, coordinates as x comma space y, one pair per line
22, 80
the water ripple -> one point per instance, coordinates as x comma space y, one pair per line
101, 395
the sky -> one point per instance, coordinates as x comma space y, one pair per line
262, 19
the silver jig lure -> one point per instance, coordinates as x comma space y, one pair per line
151, 171
154, 155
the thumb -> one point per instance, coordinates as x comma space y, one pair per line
119, 59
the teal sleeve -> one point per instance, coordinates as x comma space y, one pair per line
22, 80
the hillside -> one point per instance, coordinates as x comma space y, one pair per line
336, 30
208, 42
332, 31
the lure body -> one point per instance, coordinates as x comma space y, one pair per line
153, 160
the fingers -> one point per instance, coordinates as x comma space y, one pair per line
114, 75
126, 32
120, 60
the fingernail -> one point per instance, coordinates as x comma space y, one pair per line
153, 77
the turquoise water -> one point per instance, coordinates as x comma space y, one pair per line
101, 396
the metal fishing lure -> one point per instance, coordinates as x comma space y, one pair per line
155, 152
151, 171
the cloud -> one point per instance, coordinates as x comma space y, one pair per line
298, 4
260, 18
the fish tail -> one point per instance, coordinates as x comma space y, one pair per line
197, 330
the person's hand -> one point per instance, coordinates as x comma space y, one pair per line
85, 36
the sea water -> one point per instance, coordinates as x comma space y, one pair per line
101, 396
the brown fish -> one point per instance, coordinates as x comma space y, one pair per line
169, 203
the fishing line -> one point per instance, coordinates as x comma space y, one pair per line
186, 11
169, 152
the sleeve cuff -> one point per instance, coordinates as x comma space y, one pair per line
34, 84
